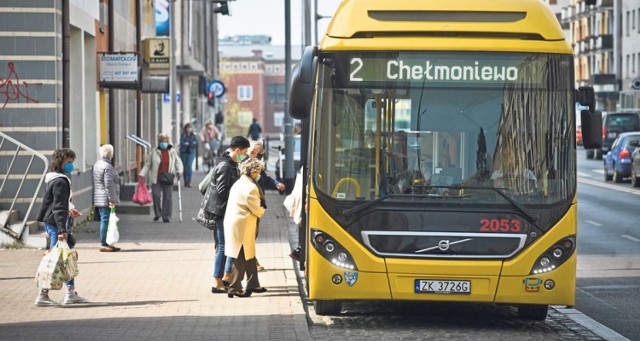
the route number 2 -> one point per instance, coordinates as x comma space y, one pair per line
358, 65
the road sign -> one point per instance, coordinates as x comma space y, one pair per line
217, 88
166, 98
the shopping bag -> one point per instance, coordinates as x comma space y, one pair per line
58, 265
112, 229
205, 219
141, 195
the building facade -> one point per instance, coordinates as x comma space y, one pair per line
630, 55
253, 71
593, 35
53, 93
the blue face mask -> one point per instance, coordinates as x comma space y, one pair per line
241, 157
257, 177
164, 145
68, 167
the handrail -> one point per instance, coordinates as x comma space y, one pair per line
139, 140
34, 153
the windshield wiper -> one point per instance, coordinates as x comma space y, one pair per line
527, 214
353, 210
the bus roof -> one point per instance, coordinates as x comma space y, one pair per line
514, 24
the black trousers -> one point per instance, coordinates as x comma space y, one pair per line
239, 266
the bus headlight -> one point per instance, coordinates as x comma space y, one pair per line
554, 256
331, 250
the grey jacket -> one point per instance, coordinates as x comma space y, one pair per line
106, 184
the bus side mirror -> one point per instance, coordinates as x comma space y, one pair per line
302, 84
587, 97
591, 129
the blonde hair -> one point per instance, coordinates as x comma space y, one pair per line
251, 165
163, 136
106, 151
254, 143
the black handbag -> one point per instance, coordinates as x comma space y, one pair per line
205, 219
166, 178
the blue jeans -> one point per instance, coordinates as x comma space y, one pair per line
52, 231
221, 260
187, 162
105, 212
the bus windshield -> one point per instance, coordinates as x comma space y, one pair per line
447, 126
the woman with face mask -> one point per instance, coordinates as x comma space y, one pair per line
163, 166
55, 212
245, 206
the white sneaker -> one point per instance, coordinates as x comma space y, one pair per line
43, 300
72, 298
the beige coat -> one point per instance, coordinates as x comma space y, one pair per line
241, 217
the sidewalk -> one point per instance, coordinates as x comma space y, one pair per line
159, 285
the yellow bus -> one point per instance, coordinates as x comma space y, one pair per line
441, 154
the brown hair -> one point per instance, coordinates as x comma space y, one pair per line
58, 157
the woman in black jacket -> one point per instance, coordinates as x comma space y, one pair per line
214, 203
55, 213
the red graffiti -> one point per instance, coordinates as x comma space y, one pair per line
12, 90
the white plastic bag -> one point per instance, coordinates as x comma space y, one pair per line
112, 229
57, 266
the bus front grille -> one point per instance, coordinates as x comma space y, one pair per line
443, 244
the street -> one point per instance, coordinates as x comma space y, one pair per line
608, 249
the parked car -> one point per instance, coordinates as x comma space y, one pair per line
617, 162
579, 135
614, 124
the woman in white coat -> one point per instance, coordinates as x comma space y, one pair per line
246, 204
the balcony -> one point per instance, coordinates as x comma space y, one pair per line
604, 42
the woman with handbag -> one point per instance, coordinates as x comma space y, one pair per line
106, 192
55, 212
188, 147
163, 165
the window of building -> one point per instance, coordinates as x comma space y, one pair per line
269, 68
633, 20
254, 66
627, 24
245, 92
278, 119
275, 93
633, 64
638, 19
627, 69
245, 67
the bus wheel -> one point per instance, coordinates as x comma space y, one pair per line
533, 311
324, 307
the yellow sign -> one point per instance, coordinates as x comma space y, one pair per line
157, 53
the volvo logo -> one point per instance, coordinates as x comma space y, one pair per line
443, 245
